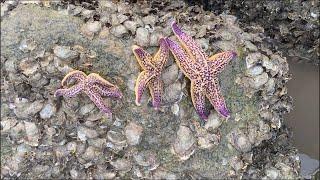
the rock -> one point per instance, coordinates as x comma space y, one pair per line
47, 111
7, 124
147, 159
119, 31
121, 165
116, 137
32, 133
175, 109
25, 109
259, 80
151, 20
91, 153
122, 18
27, 45
154, 39
86, 109
85, 133
170, 74
131, 26
254, 71
173, 92
99, 143
142, 37
91, 28
213, 121
65, 53
114, 20
272, 173
133, 133
184, 143
252, 59
28, 66
240, 141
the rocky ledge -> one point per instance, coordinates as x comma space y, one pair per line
47, 137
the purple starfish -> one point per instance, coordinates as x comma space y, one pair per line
201, 70
93, 85
151, 74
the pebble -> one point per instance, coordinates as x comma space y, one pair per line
119, 31
259, 80
131, 26
26, 109
173, 92
133, 133
183, 145
142, 37
175, 109
151, 20
32, 133
154, 39
84, 133
170, 74
93, 27
90, 153
86, 108
114, 20
116, 137
47, 111
146, 159
7, 123
251, 46
28, 66
122, 18
213, 121
255, 70
97, 143
121, 165
65, 53
252, 59
27, 45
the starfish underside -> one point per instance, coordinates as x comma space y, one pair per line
201, 70
93, 85
151, 74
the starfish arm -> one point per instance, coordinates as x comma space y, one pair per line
77, 75
220, 60
94, 78
69, 92
155, 87
141, 83
109, 92
191, 46
183, 60
198, 99
143, 58
160, 58
98, 101
215, 97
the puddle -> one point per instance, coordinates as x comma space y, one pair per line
304, 118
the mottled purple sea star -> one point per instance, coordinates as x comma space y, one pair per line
201, 70
93, 85
151, 74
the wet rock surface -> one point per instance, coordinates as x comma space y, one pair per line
47, 137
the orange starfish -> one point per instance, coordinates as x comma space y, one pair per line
93, 85
201, 70
151, 74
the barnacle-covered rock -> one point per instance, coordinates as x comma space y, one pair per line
171, 142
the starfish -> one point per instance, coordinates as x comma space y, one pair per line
93, 85
151, 74
201, 70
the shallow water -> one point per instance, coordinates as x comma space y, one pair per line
304, 118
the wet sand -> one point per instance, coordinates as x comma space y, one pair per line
304, 118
